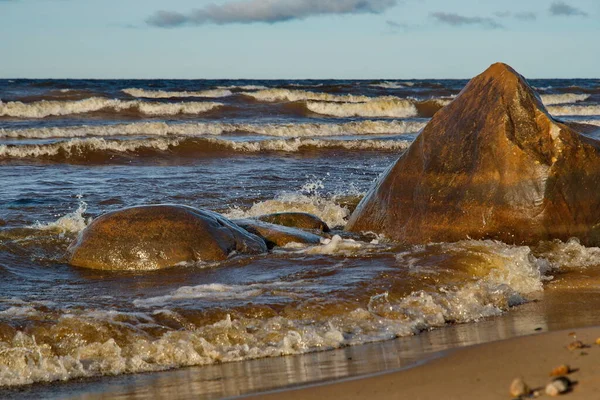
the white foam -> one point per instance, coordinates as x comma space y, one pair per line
308, 199
565, 98
574, 110
389, 85
338, 246
71, 222
219, 292
217, 128
161, 94
382, 107
45, 108
272, 95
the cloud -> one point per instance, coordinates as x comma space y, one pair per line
267, 11
523, 16
460, 20
559, 8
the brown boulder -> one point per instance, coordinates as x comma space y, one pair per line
277, 235
296, 220
159, 236
492, 164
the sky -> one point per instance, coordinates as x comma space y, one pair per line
297, 39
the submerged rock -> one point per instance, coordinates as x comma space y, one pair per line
159, 236
493, 164
277, 235
296, 220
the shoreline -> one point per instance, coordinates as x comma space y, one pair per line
478, 372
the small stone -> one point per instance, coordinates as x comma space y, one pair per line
577, 344
598, 341
518, 388
560, 370
558, 386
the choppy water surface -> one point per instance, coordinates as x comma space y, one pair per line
71, 150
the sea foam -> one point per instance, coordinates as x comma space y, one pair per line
161, 94
219, 128
44, 108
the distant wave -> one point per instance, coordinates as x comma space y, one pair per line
272, 95
100, 149
392, 85
217, 128
383, 107
565, 98
42, 109
243, 87
161, 94
574, 110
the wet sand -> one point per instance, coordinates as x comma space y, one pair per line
478, 372
485, 371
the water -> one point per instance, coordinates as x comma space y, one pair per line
71, 150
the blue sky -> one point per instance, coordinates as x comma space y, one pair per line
269, 39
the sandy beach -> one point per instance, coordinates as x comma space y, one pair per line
484, 371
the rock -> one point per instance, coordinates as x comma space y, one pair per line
518, 388
296, 220
577, 344
558, 386
159, 236
277, 235
560, 370
493, 164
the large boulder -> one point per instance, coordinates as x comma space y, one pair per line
159, 236
299, 220
492, 164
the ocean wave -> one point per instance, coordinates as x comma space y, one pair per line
161, 94
44, 108
272, 95
243, 87
100, 149
154, 337
381, 107
217, 128
560, 110
565, 98
391, 85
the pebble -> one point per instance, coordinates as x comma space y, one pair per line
578, 344
518, 388
558, 386
560, 370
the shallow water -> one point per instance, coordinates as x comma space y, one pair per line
72, 150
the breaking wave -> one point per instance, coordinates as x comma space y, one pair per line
100, 149
574, 110
216, 128
272, 95
42, 109
381, 107
566, 98
161, 94
157, 335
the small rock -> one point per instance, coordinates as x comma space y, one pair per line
518, 388
577, 344
558, 386
598, 341
560, 370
